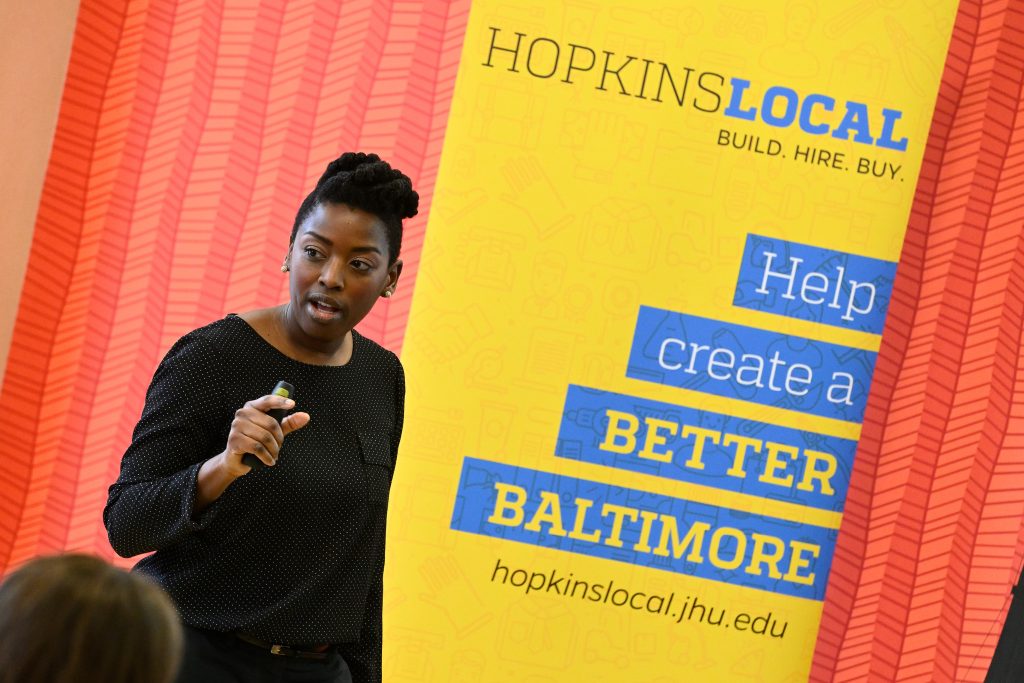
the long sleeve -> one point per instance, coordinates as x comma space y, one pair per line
149, 507
396, 432
364, 658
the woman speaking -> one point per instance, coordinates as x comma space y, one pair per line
269, 536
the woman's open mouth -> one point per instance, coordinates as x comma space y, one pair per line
323, 311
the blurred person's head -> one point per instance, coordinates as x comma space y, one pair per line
75, 618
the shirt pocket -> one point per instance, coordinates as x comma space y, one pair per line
377, 466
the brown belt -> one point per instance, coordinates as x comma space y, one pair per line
304, 652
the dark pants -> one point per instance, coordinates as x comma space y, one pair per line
212, 657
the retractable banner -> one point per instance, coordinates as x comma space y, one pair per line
657, 270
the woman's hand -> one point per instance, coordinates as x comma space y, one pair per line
252, 431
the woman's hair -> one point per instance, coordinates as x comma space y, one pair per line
365, 181
73, 618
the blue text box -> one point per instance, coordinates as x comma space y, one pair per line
690, 352
731, 453
485, 488
810, 283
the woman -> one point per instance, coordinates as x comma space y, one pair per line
73, 618
278, 571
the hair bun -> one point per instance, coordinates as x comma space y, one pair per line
366, 182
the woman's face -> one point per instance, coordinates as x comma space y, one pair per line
339, 268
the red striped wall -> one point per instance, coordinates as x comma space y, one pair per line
931, 539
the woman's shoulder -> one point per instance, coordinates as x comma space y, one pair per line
206, 340
372, 355
230, 326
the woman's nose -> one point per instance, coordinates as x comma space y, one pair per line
331, 276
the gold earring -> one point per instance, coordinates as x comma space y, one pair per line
387, 293
284, 267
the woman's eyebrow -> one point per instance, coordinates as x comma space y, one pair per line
318, 236
362, 249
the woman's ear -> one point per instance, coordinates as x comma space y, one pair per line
393, 274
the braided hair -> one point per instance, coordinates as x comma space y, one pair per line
365, 181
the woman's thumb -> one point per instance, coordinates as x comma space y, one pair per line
293, 422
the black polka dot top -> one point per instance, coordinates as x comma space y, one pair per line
291, 554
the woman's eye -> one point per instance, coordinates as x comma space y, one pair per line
311, 252
361, 265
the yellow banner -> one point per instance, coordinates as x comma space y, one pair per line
656, 272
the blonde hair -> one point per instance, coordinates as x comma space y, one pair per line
73, 618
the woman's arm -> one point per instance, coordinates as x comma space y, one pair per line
187, 450
396, 431
364, 657
152, 502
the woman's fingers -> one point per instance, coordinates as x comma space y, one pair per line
293, 422
257, 433
270, 402
254, 431
251, 438
262, 421
245, 444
